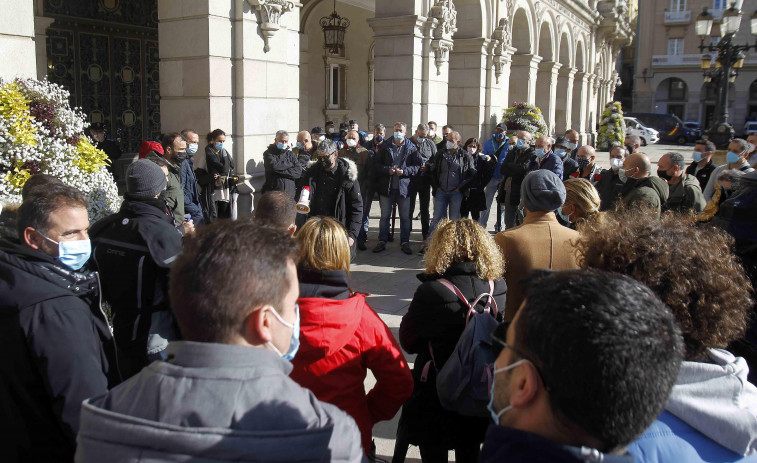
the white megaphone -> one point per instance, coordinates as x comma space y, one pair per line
303, 205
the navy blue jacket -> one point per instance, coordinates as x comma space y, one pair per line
551, 162
192, 204
405, 157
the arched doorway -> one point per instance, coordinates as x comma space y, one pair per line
546, 81
523, 68
564, 87
580, 90
671, 96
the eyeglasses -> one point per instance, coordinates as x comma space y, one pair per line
500, 334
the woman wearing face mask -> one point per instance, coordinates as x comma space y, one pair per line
221, 169
341, 336
462, 253
581, 202
474, 198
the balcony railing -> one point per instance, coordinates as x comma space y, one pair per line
678, 17
676, 60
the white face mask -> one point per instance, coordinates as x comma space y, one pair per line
450, 145
351, 143
616, 163
497, 415
322, 137
472, 149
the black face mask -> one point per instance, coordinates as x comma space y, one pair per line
664, 175
325, 162
180, 157
629, 148
379, 138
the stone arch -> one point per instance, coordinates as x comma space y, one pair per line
563, 103
671, 97
546, 81
546, 42
580, 60
470, 19
564, 50
522, 31
579, 102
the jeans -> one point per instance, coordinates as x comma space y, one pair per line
421, 188
442, 201
490, 190
403, 207
362, 236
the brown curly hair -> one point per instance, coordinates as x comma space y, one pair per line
464, 240
691, 268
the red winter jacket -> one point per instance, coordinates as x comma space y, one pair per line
339, 340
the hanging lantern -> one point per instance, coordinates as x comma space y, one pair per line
334, 27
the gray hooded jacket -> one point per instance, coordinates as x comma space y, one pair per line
215, 403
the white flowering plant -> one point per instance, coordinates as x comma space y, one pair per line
612, 127
41, 134
524, 116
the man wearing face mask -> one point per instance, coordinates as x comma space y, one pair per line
331, 132
609, 185
589, 402
361, 157
497, 146
574, 142
225, 392
451, 171
442, 144
684, 192
640, 188
632, 143
514, 169
356, 127
281, 166
318, 134
433, 133
569, 165
587, 166
374, 146
420, 185
110, 146
133, 251
738, 150
192, 202
702, 166
545, 158
174, 153
396, 163
57, 347
334, 188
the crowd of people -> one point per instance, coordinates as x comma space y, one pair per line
622, 305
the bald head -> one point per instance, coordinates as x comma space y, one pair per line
305, 139
587, 151
640, 164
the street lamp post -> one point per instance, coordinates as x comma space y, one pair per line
729, 58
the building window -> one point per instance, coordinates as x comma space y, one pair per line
719, 4
335, 84
675, 47
677, 90
677, 5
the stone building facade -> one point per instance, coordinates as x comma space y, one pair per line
252, 67
668, 76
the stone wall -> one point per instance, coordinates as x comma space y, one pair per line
17, 47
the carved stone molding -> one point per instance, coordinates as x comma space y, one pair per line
444, 11
441, 48
501, 41
270, 12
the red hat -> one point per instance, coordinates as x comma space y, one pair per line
147, 146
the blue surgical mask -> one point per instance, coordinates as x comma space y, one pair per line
294, 343
565, 218
497, 415
378, 139
732, 158
697, 156
560, 152
219, 145
399, 136
72, 254
281, 145
299, 146
521, 144
191, 148
540, 153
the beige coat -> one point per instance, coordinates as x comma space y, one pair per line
539, 243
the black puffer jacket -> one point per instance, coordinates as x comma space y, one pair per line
57, 350
282, 168
437, 316
348, 209
515, 166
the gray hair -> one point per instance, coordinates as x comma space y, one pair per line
731, 175
281, 133
404, 126
635, 139
423, 127
745, 145
327, 146
379, 127
676, 159
623, 150
549, 140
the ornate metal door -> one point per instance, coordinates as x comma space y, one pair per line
105, 52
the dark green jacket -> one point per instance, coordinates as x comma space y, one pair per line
650, 190
686, 195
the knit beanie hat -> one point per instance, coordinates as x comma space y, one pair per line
144, 179
542, 190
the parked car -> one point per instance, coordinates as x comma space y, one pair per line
634, 127
749, 127
670, 127
694, 127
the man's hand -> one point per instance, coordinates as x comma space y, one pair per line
398, 172
424, 168
351, 241
215, 176
189, 227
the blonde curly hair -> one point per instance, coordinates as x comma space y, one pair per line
464, 240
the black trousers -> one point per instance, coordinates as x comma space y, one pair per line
463, 454
421, 188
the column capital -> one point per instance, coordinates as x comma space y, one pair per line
530, 60
568, 72
549, 67
398, 25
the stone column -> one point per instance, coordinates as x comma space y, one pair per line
546, 91
523, 72
237, 72
17, 48
467, 86
580, 104
593, 115
564, 104
397, 57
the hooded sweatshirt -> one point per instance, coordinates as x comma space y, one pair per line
341, 338
711, 415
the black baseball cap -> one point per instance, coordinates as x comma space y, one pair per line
317, 131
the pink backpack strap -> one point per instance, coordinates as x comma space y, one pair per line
427, 366
471, 307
